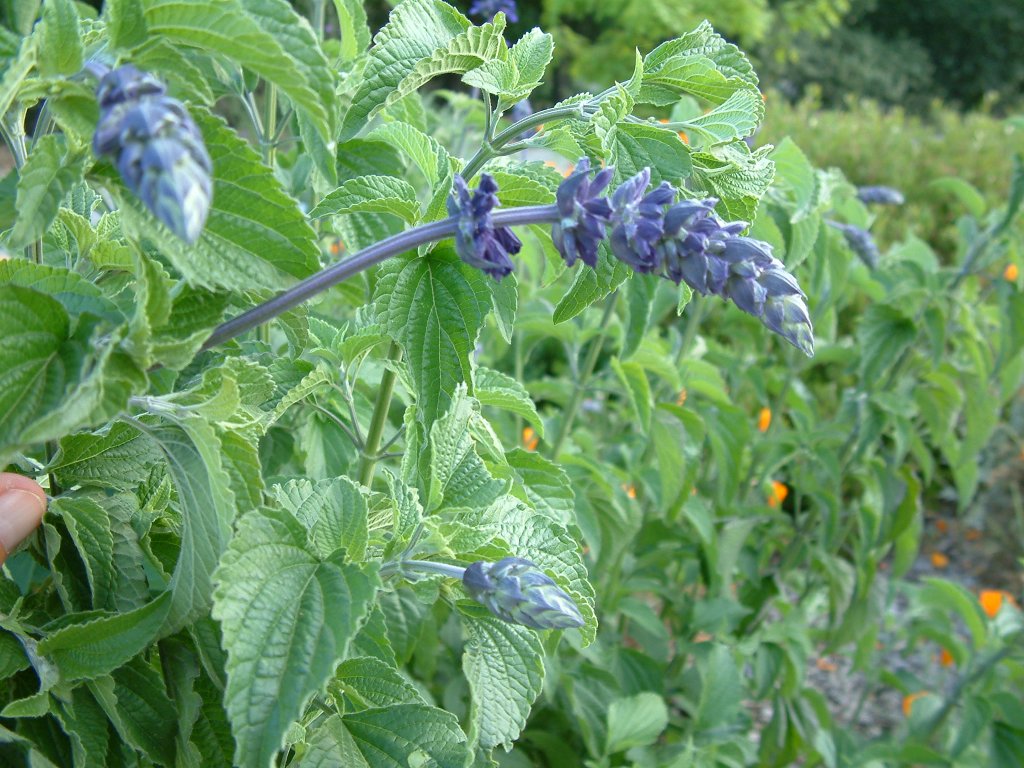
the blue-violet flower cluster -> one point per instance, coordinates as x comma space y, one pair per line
478, 242
517, 591
487, 9
157, 147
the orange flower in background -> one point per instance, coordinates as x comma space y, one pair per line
663, 120
630, 490
946, 658
764, 419
825, 665
941, 526
568, 171
1011, 272
779, 493
337, 247
530, 439
939, 560
908, 701
972, 534
992, 601
681, 400
684, 137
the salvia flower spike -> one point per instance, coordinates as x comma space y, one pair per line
860, 242
518, 591
880, 195
583, 214
157, 148
477, 241
687, 242
487, 9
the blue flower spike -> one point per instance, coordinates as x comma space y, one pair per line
477, 241
157, 148
518, 591
583, 212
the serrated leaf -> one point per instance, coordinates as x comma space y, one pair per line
530, 55
398, 736
49, 173
255, 235
638, 390
355, 35
637, 146
266, 36
60, 47
333, 511
434, 307
591, 285
74, 292
137, 704
126, 24
97, 645
429, 156
415, 29
464, 52
90, 529
373, 194
194, 314
635, 721
504, 665
499, 390
545, 485
737, 117
884, 333
371, 683
288, 617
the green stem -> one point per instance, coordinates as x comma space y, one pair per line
584, 377
270, 125
371, 450
492, 147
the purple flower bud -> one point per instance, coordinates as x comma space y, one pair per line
639, 221
860, 242
487, 9
517, 591
157, 148
880, 195
687, 242
584, 213
477, 241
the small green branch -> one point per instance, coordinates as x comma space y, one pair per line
270, 125
584, 377
371, 451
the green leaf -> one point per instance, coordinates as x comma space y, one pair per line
16, 71
504, 665
265, 36
734, 174
90, 529
415, 29
371, 683
74, 292
635, 721
736, 117
466, 51
434, 307
638, 389
87, 727
721, 688
255, 236
375, 194
49, 173
884, 334
544, 485
457, 475
355, 35
529, 59
334, 512
194, 314
591, 285
126, 24
637, 146
397, 736
137, 704
60, 47
500, 390
288, 617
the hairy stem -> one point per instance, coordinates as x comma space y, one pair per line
371, 451
492, 147
366, 258
584, 377
422, 566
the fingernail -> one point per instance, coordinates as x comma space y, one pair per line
20, 513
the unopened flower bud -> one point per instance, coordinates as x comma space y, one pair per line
860, 242
517, 591
477, 241
880, 195
157, 148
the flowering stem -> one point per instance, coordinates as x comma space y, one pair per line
366, 258
492, 147
421, 566
371, 450
584, 377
